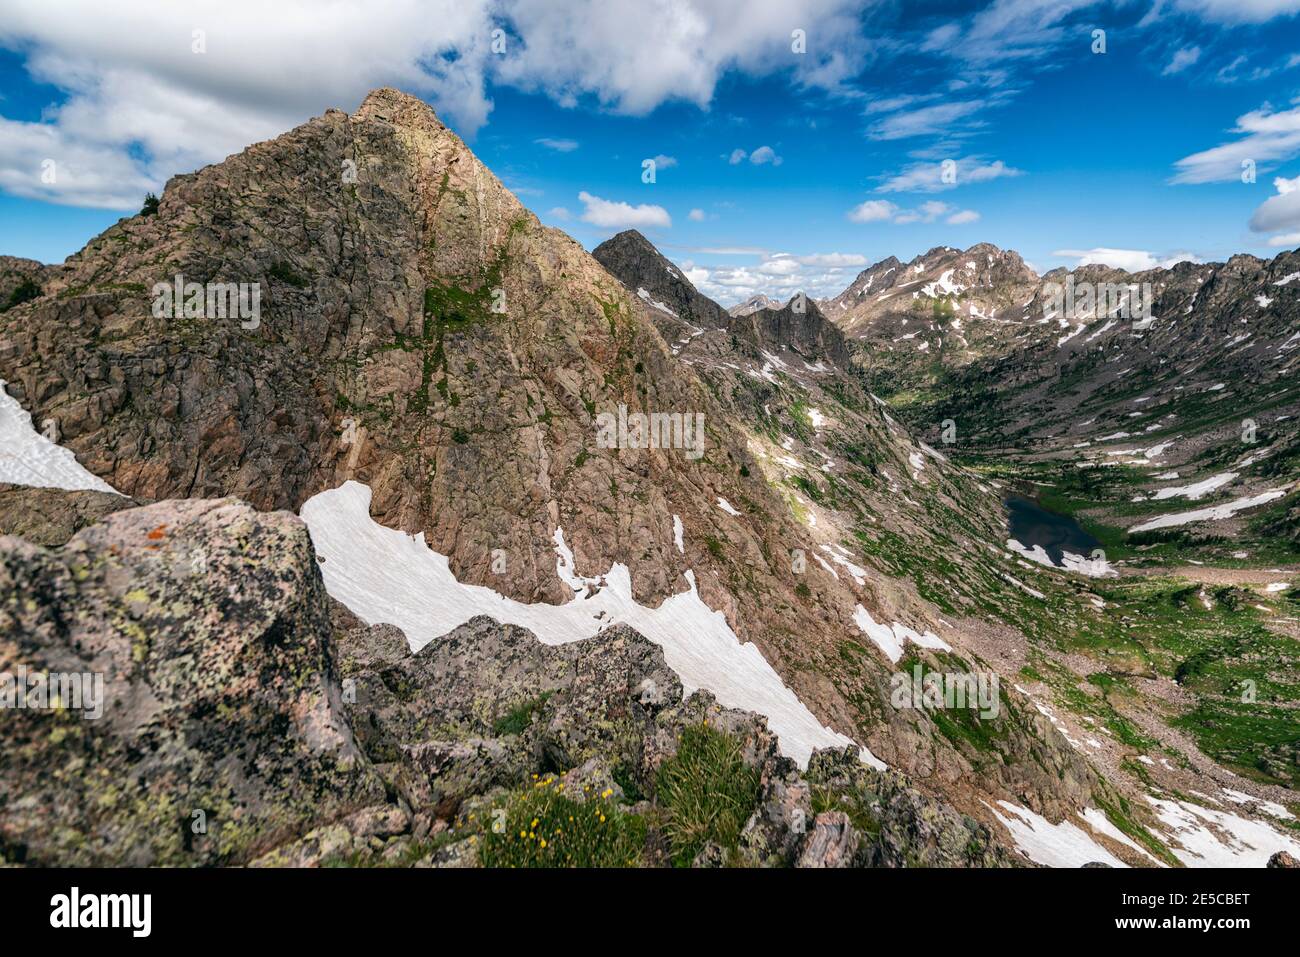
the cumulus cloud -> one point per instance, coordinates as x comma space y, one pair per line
1281, 211
963, 217
777, 275
140, 105
760, 157
609, 214
696, 216
633, 55
1130, 260
873, 211
664, 162
42, 161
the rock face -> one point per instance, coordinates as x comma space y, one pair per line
49, 517
221, 731
798, 325
21, 280
635, 262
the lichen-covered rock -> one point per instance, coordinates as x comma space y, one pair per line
51, 516
221, 734
833, 843
904, 828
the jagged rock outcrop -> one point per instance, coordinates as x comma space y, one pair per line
220, 732
798, 325
634, 261
21, 280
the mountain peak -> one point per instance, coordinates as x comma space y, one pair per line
651, 276
401, 109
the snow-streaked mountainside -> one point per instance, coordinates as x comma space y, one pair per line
383, 575
430, 386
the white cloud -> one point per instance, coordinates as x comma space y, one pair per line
1285, 239
616, 215
696, 216
942, 118
764, 155
1239, 11
1281, 211
140, 105
1008, 30
760, 157
85, 174
633, 55
560, 212
1182, 60
880, 210
664, 162
1130, 260
834, 260
872, 211
1265, 137
560, 146
137, 104
928, 177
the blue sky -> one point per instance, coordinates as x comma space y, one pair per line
778, 168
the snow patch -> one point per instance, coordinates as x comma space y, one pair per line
29, 458
384, 575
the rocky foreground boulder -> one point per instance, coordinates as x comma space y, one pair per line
248, 719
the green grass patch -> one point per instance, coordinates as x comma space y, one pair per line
707, 792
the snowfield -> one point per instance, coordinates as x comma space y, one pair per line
1070, 562
1213, 513
29, 458
1056, 845
891, 638
384, 575
1219, 839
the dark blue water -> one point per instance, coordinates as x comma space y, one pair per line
1031, 524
